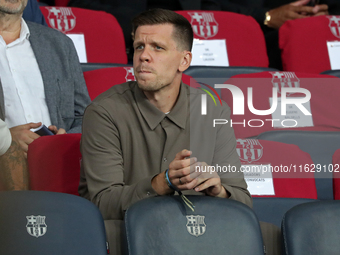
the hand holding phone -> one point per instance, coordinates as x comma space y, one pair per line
43, 130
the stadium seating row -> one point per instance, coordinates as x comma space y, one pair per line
292, 179
302, 51
100, 80
56, 223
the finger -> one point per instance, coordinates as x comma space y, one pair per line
206, 173
180, 169
61, 131
29, 139
200, 181
320, 8
321, 13
53, 128
296, 15
33, 136
181, 164
190, 177
300, 3
23, 145
207, 183
304, 9
188, 185
183, 154
31, 125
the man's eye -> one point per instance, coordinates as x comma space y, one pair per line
158, 48
139, 47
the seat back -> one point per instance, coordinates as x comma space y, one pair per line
272, 209
54, 163
283, 161
94, 66
104, 40
163, 225
321, 147
40, 223
224, 72
332, 72
312, 228
323, 90
303, 43
100, 80
244, 38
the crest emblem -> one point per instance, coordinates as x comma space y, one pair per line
196, 225
249, 150
203, 24
36, 225
130, 76
61, 18
285, 80
334, 25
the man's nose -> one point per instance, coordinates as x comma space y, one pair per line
145, 55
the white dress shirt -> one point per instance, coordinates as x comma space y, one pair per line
5, 137
22, 82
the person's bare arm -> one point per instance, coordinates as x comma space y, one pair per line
13, 168
24, 136
295, 10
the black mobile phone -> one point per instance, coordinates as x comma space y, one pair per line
313, 3
43, 130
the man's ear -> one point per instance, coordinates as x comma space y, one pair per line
185, 62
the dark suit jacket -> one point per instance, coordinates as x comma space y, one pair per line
33, 13
65, 89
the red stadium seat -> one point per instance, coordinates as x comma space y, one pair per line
290, 180
54, 163
336, 174
100, 80
244, 37
104, 40
324, 101
303, 43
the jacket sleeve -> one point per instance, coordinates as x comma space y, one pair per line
81, 96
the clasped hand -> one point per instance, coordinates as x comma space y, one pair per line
185, 173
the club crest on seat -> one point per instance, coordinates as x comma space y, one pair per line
36, 225
61, 18
204, 24
196, 225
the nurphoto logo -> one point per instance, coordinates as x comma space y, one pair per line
239, 104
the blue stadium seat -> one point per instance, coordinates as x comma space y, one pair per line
164, 225
40, 223
312, 228
94, 66
332, 72
272, 209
